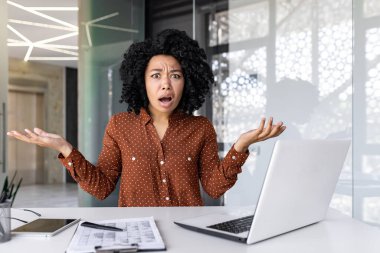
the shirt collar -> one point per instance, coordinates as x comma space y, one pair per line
174, 118
144, 116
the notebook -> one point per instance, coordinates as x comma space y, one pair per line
296, 192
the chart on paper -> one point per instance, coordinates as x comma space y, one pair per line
138, 232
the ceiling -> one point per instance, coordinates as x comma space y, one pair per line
43, 31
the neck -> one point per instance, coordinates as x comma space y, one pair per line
159, 117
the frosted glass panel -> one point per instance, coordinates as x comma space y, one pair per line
371, 207
239, 93
236, 24
293, 40
314, 65
366, 111
372, 86
371, 8
239, 101
295, 66
107, 29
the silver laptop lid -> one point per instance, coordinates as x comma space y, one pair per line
298, 187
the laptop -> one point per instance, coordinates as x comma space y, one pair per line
296, 192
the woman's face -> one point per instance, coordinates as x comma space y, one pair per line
164, 84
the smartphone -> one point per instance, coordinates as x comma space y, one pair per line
44, 227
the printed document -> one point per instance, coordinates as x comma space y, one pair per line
140, 233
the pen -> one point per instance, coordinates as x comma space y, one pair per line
129, 248
98, 226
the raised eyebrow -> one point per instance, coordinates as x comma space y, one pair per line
176, 70
155, 70
160, 70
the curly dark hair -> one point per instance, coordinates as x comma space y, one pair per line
197, 73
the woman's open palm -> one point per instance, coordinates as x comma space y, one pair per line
43, 139
260, 134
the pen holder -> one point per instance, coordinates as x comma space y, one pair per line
5, 221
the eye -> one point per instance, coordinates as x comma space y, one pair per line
176, 76
155, 75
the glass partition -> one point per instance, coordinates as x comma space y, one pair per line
107, 29
294, 60
366, 124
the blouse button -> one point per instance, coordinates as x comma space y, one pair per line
70, 164
189, 158
162, 162
164, 180
233, 157
133, 158
167, 198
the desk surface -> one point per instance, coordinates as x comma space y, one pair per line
337, 233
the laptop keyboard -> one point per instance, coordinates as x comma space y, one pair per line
235, 226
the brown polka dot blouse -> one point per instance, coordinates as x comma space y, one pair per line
154, 172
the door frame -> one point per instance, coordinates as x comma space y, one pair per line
3, 89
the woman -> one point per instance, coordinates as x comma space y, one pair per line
158, 149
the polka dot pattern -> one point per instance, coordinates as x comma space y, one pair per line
156, 172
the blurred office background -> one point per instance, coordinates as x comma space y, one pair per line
314, 64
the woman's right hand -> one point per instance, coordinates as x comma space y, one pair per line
43, 139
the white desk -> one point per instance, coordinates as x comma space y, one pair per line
338, 233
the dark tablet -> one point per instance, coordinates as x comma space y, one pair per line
44, 227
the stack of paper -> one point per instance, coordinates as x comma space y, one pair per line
138, 233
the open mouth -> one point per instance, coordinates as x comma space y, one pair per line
166, 102
165, 99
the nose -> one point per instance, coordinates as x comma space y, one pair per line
165, 83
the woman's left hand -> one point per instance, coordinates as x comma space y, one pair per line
260, 134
